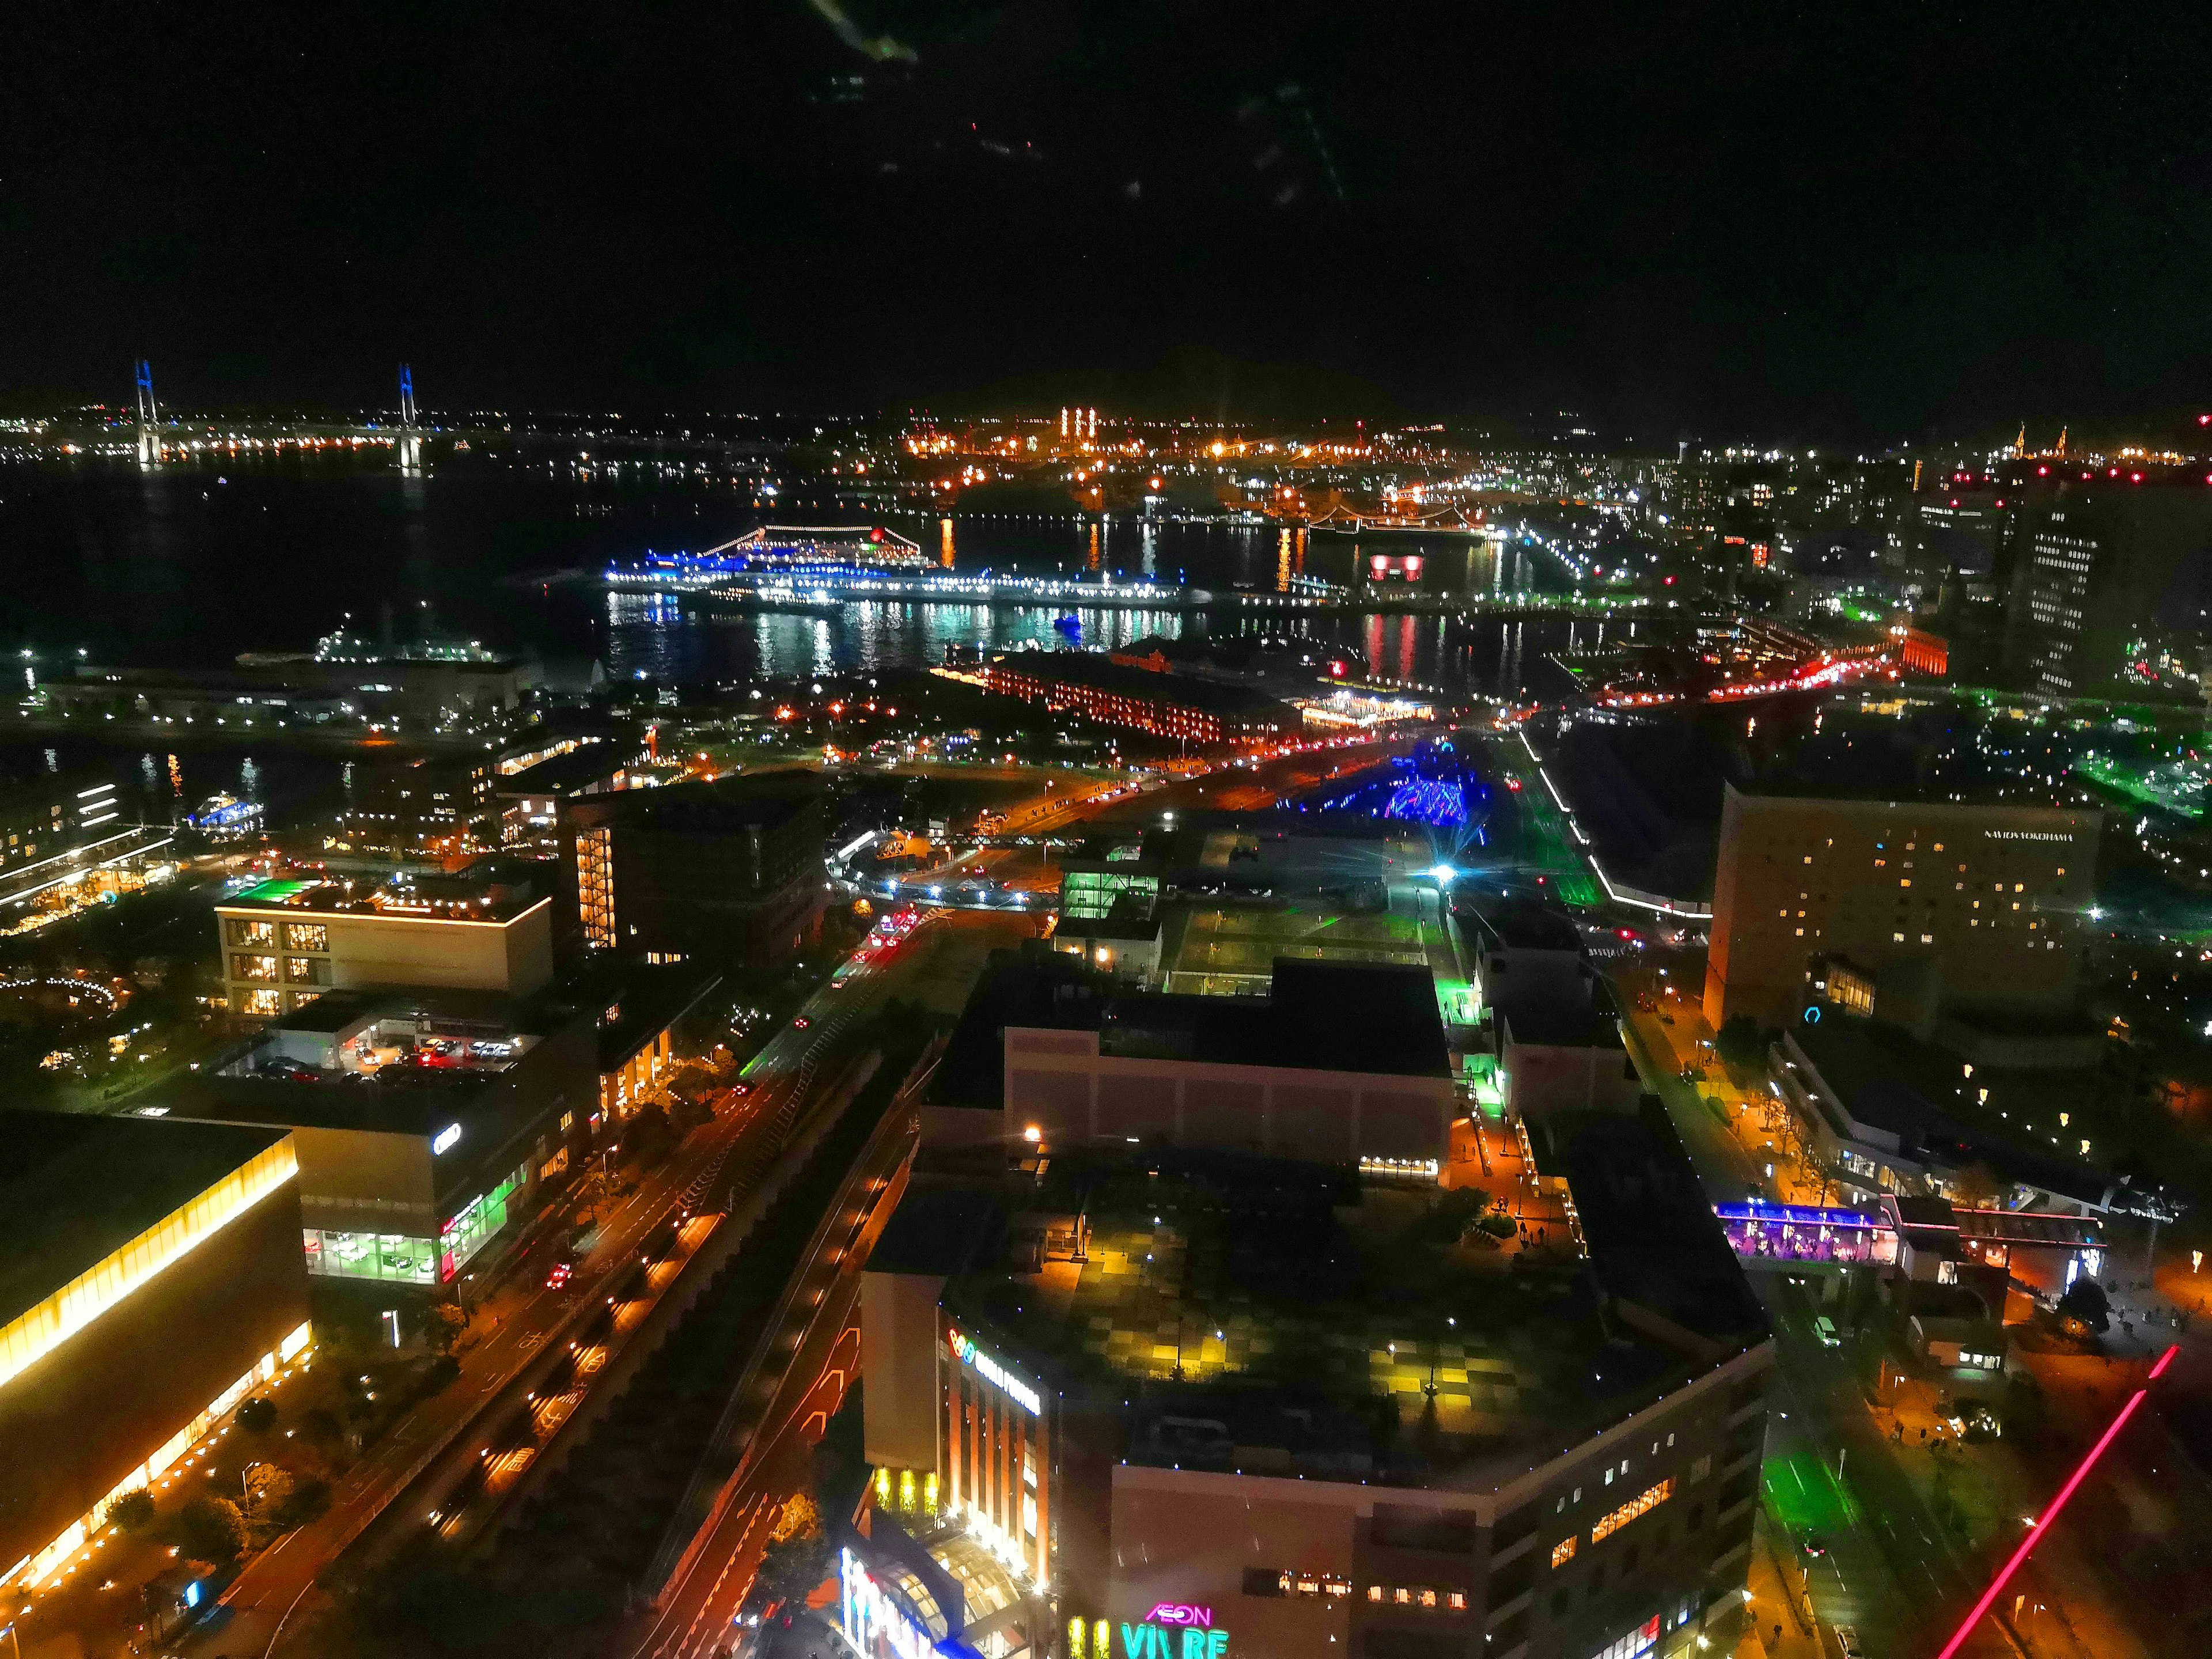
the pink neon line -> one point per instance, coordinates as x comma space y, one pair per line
2042, 1525
2163, 1360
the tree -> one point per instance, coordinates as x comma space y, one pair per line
305, 1501
132, 1510
209, 1529
443, 1325
1739, 1042
1975, 1187
797, 1558
319, 1425
2084, 1308
257, 1415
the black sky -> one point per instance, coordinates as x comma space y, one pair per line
1827, 223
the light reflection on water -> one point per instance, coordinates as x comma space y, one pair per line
657, 637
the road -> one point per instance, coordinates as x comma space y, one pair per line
273, 1586
791, 1407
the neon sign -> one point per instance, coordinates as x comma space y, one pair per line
1181, 1613
994, 1372
447, 1138
872, 1621
1189, 1641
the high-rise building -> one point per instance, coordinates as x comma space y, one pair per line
714, 873
2104, 568
1940, 907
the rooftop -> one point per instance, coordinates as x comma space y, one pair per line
1367, 1017
407, 895
75, 1188
722, 807
1287, 1317
402, 1061
1889, 1081
562, 775
640, 1002
1524, 924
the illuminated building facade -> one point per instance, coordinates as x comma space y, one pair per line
43, 819
1155, 1469
425, 1122
150, 1278
1168, 705
2100, 565
1975, 907
288, 940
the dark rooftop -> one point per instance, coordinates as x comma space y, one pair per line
1378, 1018
1525, 924
723, 806
645, 1002
945, 1232
75, 1188
1648, 1222
578, 770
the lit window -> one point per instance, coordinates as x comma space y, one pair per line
1642, 1503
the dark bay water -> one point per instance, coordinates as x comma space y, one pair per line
191, 564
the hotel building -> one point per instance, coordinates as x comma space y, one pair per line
150, 1278
287, 941
1932, 907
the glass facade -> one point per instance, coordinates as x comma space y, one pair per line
1089, 895
469, 1230
392, 1256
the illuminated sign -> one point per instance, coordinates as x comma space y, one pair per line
446, 1137
1150, 1641
993, 1371
873, 1622
2025, 834
1181, 1613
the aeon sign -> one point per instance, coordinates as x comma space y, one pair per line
1175, 1629
1181, 1613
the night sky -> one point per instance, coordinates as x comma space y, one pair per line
1826, 224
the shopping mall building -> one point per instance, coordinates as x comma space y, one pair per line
1168, 1400
150, 1278
424, 1121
